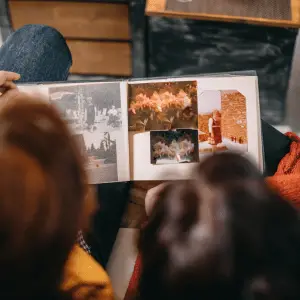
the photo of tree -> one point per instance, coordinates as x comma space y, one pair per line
102, 158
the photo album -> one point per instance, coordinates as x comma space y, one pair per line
157, 129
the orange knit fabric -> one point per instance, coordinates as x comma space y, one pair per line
286, 181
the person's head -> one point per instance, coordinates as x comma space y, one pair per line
44, 199
113, 107
216, 114
90, 100
222, 235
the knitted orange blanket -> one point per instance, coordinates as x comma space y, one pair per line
286, 181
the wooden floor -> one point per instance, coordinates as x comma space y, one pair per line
98, 34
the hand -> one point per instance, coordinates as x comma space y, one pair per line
152, 196
8, 88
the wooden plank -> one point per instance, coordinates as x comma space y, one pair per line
74, 19
264, 9
156, 5
159, 7
295, 10
100, 58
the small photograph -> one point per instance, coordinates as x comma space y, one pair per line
101, 157
90, 107
222, 121
162, 106
174, 146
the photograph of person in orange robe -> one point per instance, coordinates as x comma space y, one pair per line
214, 127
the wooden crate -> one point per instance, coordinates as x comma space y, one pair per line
74, 19
105, 58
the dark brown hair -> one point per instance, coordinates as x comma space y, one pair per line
222, 235
43, 200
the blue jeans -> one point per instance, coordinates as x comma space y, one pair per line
38, 53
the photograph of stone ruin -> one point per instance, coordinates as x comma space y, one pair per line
222, 121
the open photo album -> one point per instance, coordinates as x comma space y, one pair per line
157, 129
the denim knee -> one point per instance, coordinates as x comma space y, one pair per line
46, 35
38, 52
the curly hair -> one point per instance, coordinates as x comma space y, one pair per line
222, 235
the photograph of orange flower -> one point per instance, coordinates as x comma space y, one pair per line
162, 106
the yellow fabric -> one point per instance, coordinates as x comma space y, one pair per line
81, 268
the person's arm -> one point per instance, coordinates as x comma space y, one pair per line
152, 196
210, 125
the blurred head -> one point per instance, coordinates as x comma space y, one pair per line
43, 199
216, 114
222, 235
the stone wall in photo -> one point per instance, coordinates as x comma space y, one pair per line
234, 116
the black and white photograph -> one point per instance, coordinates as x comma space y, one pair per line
89, 107
101, 157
